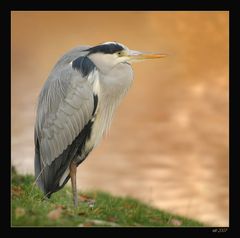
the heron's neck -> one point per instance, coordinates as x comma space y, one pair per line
112, 88
116, 81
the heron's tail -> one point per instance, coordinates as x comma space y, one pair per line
38, 167
47, 177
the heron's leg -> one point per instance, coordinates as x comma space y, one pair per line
73, 171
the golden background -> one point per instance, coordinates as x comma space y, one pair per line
168, 144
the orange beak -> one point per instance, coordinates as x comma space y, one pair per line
137, 55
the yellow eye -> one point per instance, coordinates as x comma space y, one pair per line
119, 53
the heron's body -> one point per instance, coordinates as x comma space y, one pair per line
75, 109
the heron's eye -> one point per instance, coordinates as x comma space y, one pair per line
119, 53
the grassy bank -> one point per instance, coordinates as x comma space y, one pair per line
95, 209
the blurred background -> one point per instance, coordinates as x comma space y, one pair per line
168, 144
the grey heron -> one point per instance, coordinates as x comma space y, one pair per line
75, 109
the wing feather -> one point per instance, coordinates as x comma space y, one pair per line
65, 107
72, 125
75, 123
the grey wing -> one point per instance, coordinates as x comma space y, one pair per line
64, 114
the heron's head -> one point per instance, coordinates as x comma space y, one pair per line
109, 54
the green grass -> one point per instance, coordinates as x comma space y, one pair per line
30, 209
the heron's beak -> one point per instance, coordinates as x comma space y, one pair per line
138, 55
